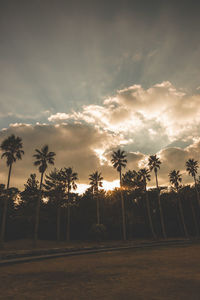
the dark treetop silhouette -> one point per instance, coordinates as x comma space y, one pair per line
119, 161
58, 190
43, 158
96, 182
176, 178
154, 164
70, 178
12, 147
191, 168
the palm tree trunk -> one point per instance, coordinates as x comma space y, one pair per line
3, 225
41, 180
68, 223
123, 208
68, 217
149, 214
123, 216
160, 208
197, 192
58, 223
98, 213
9, 174
38, 212
182, 218
194, 218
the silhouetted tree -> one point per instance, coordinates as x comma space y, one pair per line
131, 180
43, 158
12, 151
119, 161
55, 187
192, 168
175, 179
70, 178
154, 164
187, 193
95, 183
145, 175
27, 205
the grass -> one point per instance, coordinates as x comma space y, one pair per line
27, 244
22, 246
150, 274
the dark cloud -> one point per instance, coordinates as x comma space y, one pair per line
181, 143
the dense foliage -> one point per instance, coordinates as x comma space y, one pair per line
97, 214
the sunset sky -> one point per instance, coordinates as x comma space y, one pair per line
89, 77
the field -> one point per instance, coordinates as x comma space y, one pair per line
161, 273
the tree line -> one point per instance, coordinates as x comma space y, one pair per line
131, 210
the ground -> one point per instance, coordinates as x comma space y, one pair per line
23, 245
149, 274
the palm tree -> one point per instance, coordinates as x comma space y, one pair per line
55, 187
96, 182
43, 158
131, 180
175, 179
12, 147
154, 164
187, 193
70, 178
119, 161
145, 176
192, 168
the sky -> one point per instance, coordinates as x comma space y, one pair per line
90, 77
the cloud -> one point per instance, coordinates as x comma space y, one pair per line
86, 149
59, 117
175, 158
160, 119
149, 119
74, 144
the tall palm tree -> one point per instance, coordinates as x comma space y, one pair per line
55, 187
96, 182
70, 178
144, 173
119, 161
43, 158
154, 164
12, 147
175, 179
187, 193
131, 180
192, 168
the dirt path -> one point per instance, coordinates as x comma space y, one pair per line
167, 273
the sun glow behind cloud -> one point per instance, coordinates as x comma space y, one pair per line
134, 108
110, 185
81, 188
144, 121
160, 119
107, 186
